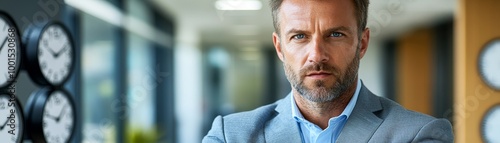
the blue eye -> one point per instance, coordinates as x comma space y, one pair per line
336, 34
299, 36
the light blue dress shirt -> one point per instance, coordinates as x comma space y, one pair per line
312, 133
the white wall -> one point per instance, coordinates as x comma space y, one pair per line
188, 85
370, 70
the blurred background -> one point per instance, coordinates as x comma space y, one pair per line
162, 70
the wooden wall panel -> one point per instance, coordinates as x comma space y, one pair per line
477, 23
414, 56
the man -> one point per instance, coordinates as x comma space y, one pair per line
321, 43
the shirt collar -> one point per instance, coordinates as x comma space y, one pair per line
347, 111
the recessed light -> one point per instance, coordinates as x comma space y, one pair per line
238, 5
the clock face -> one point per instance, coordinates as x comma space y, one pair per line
9, 51
10, 120
491, 125
55, 54
58, 118
489, 64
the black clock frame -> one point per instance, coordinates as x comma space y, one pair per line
35, 109
20, 114
33, 66
19, 51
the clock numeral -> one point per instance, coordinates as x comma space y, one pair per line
45, 43
52, 139
2, 105
70, 113
68, 55
43, 65
69, 127
56, 139
50, 32
56, 34
57, 100
56, 76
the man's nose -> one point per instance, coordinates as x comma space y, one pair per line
317, 51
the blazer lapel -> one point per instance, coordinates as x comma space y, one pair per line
282, 128
362, 122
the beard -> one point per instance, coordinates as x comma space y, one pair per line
320, 92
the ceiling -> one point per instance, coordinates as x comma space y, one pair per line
253, 28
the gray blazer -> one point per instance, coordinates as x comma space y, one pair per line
373, 119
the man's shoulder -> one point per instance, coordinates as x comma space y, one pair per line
410, 124
394, 111
251, 117
242, 126
387, 109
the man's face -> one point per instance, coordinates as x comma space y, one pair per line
319, 46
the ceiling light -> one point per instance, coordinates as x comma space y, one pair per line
238, 4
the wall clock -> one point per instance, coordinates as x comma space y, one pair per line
10, 54
50, 54
11, 119
50, 116
491, 125
489, 64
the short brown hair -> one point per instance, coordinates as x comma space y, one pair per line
361, 7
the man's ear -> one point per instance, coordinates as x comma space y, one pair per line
364, 42
277, 45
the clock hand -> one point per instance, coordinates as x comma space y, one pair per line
61, 51
1, 128
53, 117
61, 114
3, 43
54, 54
47, 47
